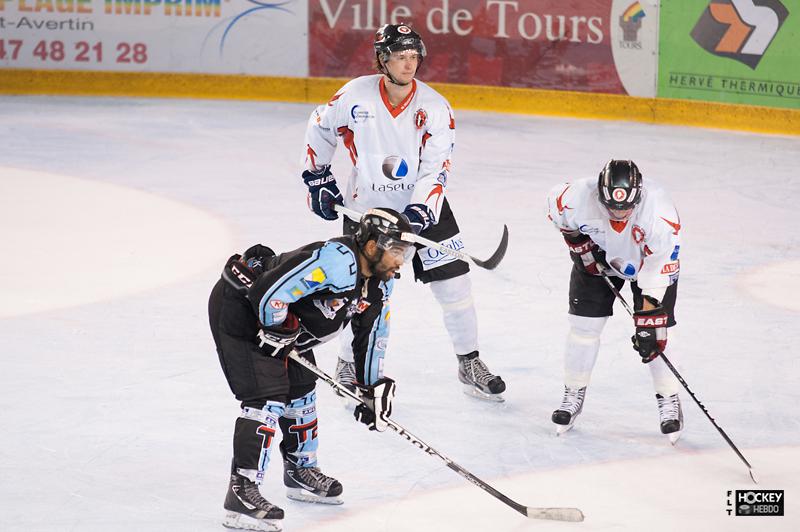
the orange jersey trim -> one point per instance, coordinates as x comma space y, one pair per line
395, 111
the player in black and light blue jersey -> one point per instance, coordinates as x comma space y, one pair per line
266, 305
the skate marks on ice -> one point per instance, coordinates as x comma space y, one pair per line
139, 238
685, 491
775, 284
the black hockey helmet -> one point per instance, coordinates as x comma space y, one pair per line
620, 185
388, 228
395, 38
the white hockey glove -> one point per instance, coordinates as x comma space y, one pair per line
377, 400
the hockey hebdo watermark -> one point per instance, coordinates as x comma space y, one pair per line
755, 503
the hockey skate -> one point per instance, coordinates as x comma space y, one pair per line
247, 509
571, 406
309, 484
478, 381
670, 416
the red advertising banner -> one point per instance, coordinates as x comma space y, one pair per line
544, 44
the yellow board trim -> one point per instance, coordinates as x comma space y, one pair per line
481, 98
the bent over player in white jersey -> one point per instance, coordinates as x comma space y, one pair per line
399, 134
629, 229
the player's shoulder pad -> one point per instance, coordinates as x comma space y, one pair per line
340, 265
433, 101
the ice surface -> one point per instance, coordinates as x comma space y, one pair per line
117, 215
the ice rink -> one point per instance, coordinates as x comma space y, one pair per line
117, 215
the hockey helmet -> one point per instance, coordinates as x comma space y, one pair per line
395, 38
619, 185
389, 229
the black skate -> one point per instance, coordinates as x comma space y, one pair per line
571, 406
671, 416
247, 509
478, 380
309, 484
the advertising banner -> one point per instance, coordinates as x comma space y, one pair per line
201, 36
734, 51
544, 44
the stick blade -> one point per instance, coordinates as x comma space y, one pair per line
492, 262
555, 514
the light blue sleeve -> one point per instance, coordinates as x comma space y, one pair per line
333, 266
378, 338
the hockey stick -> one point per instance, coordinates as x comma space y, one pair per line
554, 514
489, 264
683, 382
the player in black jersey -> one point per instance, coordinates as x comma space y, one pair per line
266, 305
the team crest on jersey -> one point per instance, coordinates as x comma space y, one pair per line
638, 234
315, 278
394, 167
420, 118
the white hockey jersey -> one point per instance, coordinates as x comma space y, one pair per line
644, 248
400, 155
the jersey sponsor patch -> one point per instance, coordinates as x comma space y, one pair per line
329, 307
296, 291
394, 168
359, 114
433, 258
671, 267
277, 304
315, 278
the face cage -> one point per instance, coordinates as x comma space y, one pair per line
396, 248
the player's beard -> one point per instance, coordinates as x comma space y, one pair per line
384, 273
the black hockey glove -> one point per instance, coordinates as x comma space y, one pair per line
587, 256
650, 338
255, 256
377, 400
278, 341
419, 216
322, 192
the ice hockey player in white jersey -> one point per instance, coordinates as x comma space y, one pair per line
399, 134
630, 229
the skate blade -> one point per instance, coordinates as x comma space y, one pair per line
674, 436
480, 394
561, 429
245, 522
299, 494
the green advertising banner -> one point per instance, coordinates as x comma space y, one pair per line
733, 51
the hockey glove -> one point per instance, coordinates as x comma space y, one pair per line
587, 256
377, 406
322, 192
650, 338
278, 340
419, 216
